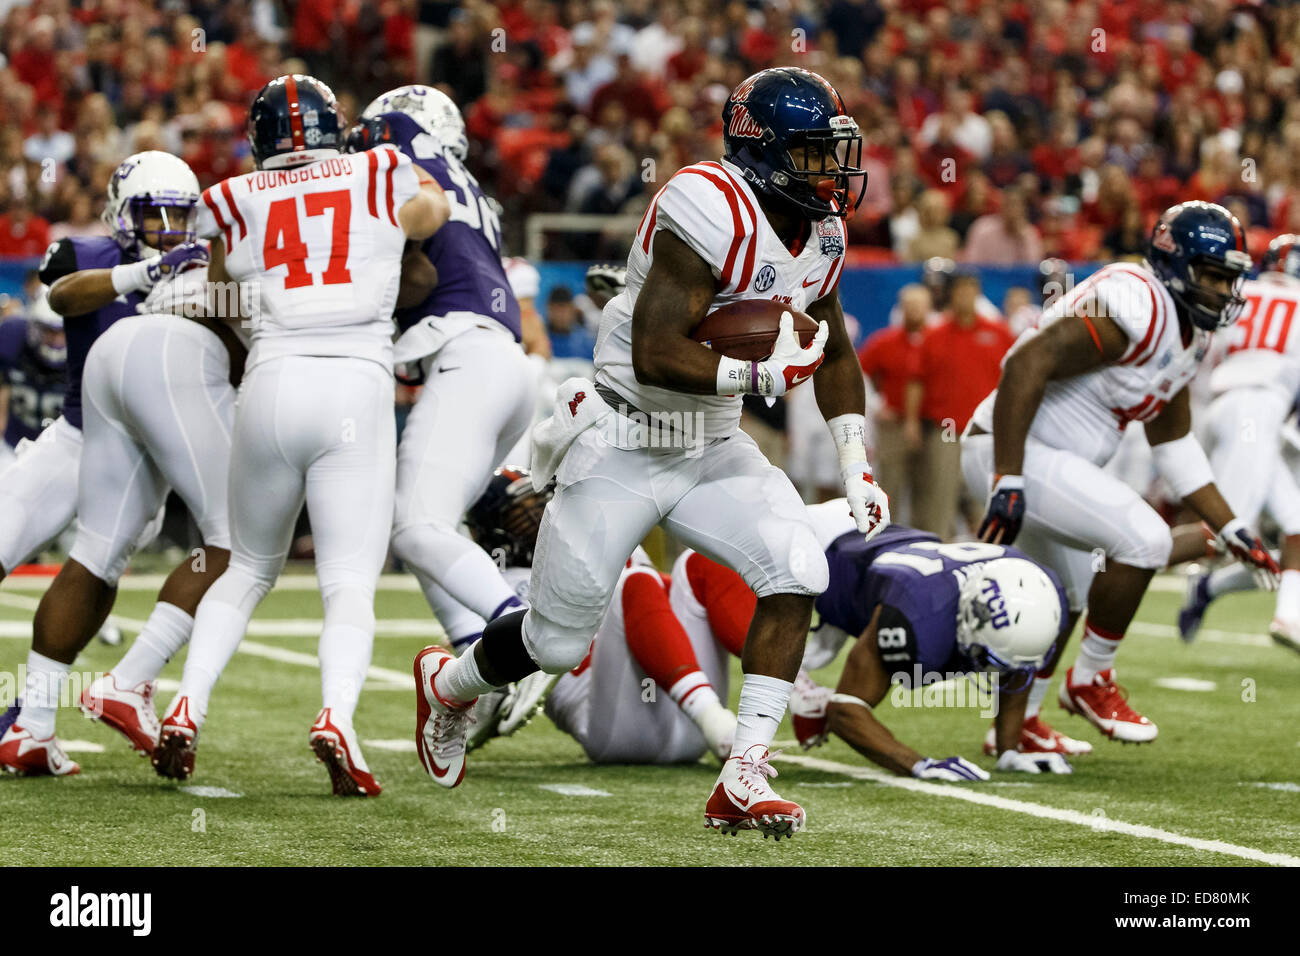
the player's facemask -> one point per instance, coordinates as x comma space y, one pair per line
830, 172
1212, 309
162, 225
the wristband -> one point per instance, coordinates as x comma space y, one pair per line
131, 276
734, 376
850, 435
848, 699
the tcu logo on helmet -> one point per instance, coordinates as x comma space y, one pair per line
995, 605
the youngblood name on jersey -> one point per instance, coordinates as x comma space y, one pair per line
327, 260
1264, 344
1087, 414
35, 389
73, 255
713, 210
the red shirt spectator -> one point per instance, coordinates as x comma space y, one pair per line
891, 358
23, 235
961, 361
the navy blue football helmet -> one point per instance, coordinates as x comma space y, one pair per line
783, 109
1192, 242
294, 120
507, 516
1283, 256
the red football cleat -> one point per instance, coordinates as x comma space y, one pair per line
808, 701
337, 748
1036, 737
130, 712
1104, 704
440, 726
742, 799
28, 756
174, 754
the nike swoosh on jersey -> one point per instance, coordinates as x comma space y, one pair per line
807, 282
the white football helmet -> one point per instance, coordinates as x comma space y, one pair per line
146, 182
1008, 616
432, 109
45, 331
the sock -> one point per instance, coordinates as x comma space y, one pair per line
1036, 694
1096, 653
1288, 597
512, 603
694, 695
763, 701
346, 643
45, 679
219, 625
165, 633
460, 680
655, 637
1233, 577
727, 600
458, 644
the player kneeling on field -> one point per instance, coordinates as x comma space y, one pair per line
922, 607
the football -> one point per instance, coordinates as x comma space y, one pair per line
747, 330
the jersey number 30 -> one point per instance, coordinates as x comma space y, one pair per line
283, 244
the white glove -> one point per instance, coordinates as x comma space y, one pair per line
1244, 545
1015, 761
788, 366
949, 769
867, 500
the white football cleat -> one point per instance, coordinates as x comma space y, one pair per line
28, 756
1037, 737
1104, 704
174, 755
130, 712
335, 745
110, 634
1285, 633
440, 727
523, 704
743, 800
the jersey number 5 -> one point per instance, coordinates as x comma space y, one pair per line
283, 244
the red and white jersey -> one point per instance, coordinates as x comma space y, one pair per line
1087, 414
322, 245
714, 211
1263, 347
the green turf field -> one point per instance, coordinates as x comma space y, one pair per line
1200, 785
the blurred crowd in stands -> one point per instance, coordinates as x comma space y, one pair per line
998, 130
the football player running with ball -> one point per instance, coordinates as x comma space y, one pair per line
322, 235
766, 222
1120, 347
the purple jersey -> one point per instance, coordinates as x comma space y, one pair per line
467, 250
35, 389
75, 255
914, 578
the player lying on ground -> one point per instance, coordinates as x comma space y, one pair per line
152, 387
322, 235
765, 222
1255, 388
1119, 348
919, 607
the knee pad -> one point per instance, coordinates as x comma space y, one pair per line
1147, 542
241, 586
349, 606
557, 647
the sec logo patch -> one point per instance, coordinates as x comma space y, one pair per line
765, 278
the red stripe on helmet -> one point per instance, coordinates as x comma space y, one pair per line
295, 113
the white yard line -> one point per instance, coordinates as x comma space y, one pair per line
152, 582
1099, 823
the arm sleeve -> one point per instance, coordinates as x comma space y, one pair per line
709, 213
60, 260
